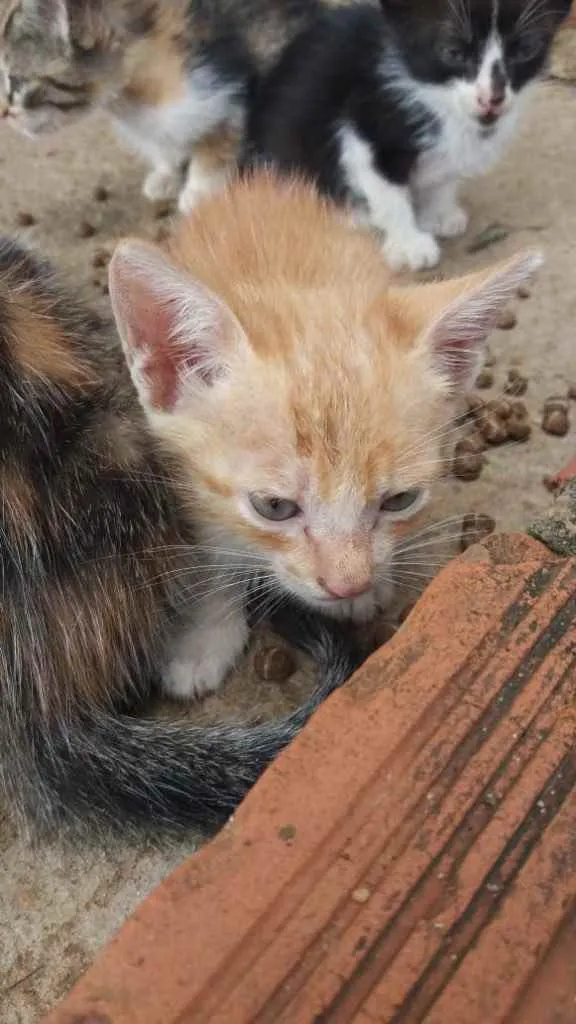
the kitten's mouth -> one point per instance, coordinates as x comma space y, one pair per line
488, 121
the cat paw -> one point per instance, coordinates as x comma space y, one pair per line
200, 184
448, 223
203, 657
161, 185
415, 251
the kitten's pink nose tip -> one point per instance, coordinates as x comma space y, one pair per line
342, 588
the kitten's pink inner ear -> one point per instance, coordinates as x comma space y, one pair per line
173, 330
473, 306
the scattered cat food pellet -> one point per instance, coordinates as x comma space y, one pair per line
555, 421
550, 483
516, 383
501, 408
572, 392
287, 832
468, 465
104, 288
86, 229
524, 292
492, 428
485, 379
472, 442
518, 427
274, 664
361, 895
507, 320
101, 194
101, 258
475, 528
24, 219
555, 418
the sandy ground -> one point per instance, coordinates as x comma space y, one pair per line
58, 906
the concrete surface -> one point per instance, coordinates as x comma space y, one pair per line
57, 906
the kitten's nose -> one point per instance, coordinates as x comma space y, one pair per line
342, 588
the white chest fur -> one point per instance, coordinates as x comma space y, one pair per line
462, 149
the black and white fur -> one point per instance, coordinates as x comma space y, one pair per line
392, 107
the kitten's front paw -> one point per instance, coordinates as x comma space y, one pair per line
415, 251
448, 223
203, 657
160, 185
199, 184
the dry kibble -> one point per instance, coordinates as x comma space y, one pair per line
516, 383
500, 407
467, 465
524, 292
518, 427
485, 379
101, 194
557, 402
163, 209
475, 528
471, 443
104, 288
101, 258
555, 421
507, 320
86, 229
24, 219
274, 664
493, 430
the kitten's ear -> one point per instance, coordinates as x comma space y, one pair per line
464, 312
177, 336
51, 18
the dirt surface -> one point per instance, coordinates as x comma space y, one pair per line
58, 906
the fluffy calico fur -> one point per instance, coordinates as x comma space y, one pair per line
392, 107
101, 570
174, 74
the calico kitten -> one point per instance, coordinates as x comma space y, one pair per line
392, 106
174, 74
103, 577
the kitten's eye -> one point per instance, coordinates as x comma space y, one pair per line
276, 509
455, 54
403, 501
524, 49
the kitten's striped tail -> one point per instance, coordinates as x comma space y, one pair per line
122, 772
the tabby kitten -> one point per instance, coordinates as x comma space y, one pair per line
293, 407
392, 106
174, 74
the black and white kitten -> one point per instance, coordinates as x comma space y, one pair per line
392, 107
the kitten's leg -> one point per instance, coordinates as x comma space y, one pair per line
439, 211
210, 168
390, 207
163, 182
201, 656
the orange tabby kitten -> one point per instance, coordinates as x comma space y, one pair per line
308, 396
